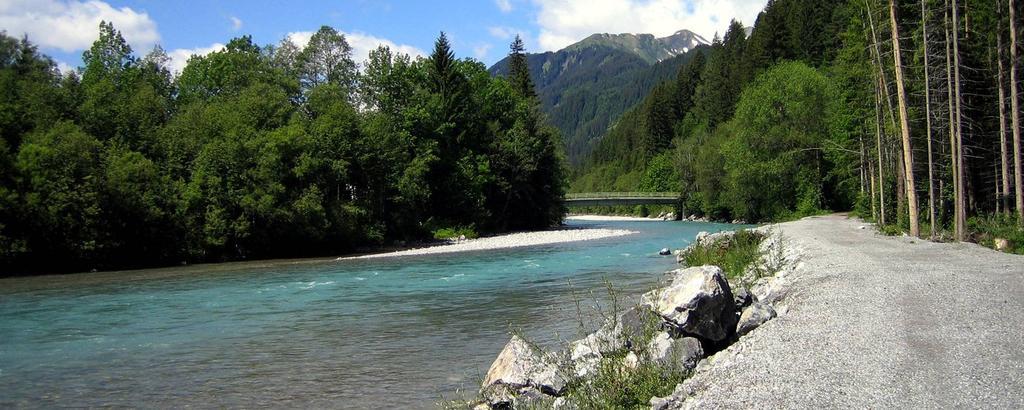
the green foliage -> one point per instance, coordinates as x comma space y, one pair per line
987, 228
749, 164
733, 255
467, 232
257, 152
616, 386
783, 126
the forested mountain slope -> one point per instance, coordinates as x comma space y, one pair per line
586, 86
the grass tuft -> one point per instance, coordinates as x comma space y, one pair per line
734, 256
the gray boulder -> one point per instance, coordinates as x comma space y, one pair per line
698, 303
753, 316
682, 353
519, 368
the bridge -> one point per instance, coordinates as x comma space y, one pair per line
621, 198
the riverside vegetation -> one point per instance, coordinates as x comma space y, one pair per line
643, 352
262, 151
837, 105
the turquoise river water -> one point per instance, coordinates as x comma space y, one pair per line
385, 333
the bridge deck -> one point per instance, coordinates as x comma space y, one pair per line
621, 198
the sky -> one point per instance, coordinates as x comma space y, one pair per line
481, 29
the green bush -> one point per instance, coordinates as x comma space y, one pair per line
986, 229
733, 256
454, 233
616, 386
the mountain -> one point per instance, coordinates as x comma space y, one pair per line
646, 46
586, 86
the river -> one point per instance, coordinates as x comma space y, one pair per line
384, 333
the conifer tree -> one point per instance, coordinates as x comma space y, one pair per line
519, 69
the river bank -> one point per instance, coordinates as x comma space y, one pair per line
858, 320
508, 241
518, 239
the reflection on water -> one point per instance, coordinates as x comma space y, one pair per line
355, 334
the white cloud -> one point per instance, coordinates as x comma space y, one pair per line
65, 68
504, 5
507, 33
502, 33
563, 22
480, 51
179, 57
236, 23
73, 25
361, 44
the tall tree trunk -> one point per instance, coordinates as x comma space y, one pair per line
961, 217
908, 152
881, 65
952, 123
1015, 116
878, 136
928, 121
995, 171
871, 178
1004, 155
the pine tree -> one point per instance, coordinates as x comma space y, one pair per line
519, 69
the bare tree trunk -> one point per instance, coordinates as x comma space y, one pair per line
1004, 155
961, 217
952, 123
871, 177
995, 172
928, 121
1015, 116
881, 65
878, 136
908, 152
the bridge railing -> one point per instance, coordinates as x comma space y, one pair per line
620, 195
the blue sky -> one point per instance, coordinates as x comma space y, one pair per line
480, 29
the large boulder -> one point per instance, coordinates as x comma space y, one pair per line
753, 316
697, 303
518, 368
683, 353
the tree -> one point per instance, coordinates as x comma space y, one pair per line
928, 121
1015, 115
327, 59
1001, 79
961, 201
60, 179
775, 162
908, 153
519, 69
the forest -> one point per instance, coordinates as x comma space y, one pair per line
906, 112
262, 151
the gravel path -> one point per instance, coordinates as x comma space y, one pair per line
879, 322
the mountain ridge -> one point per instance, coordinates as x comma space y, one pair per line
587, 86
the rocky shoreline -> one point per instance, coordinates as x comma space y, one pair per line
683, 326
